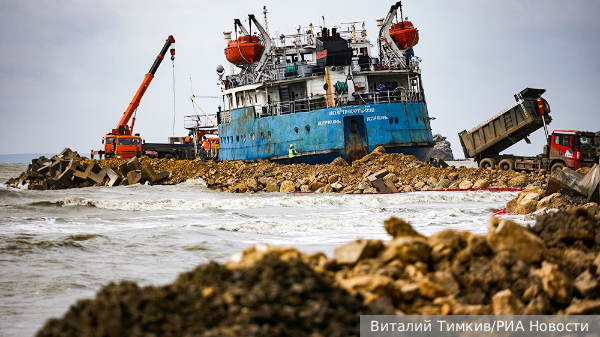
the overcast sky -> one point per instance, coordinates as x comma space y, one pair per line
70, 68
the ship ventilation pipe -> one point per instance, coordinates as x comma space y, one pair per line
229, 65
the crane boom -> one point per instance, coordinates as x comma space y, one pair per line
122, 127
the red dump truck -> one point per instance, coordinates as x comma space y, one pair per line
484, 143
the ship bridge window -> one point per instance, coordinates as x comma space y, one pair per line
296, 130
237, 138
262, 135
252, 136
307, 129
269, 134
307, 57
396, 120
391, 120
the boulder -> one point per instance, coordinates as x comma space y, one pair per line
287, 186
336, 187
351, 253
370, 190
583, 307
418, 186
586, 284
465, 185
397, 227
518, 181
316, 185
239, 187
527, 204
408, 249
507, 235
305, 188
390, 177
408, 188
272, 186
430, 290
251, 184
442, 184
555, 284
339, 161
432, 181
549, 201
505, 303
481, 183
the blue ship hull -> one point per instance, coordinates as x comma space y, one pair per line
322, 135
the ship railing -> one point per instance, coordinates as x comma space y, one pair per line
321, 102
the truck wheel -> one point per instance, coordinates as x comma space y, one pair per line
507, 164
488, 162
558, 166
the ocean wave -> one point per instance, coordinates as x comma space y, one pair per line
292, 200
49, 243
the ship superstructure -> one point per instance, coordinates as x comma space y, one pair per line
323, 91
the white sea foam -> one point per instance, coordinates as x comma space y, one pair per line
253, 201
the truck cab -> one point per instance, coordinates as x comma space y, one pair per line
125, 146
571, 148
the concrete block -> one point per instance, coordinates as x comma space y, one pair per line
38, 187
124, 182
98, 177
12, 182
133, 177
391, 186
79, 175
162, 175
34, 174
51, 182
133, 164
380, 186
114, 177
378, 175
124, 169
44, 169
22, 178
148, 172
73, 165
65, 178
63, 166
91, 168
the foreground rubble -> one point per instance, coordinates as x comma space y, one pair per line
550, 268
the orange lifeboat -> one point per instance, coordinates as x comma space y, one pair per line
245, 50
405, 34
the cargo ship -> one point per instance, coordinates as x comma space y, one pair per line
322, 91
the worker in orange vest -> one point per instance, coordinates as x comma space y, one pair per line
188, 138
206, 147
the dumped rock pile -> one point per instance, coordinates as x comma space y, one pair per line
404, 172
550, 268
566, 188
68, 170
442, 148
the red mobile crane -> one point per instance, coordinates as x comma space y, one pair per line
120, 142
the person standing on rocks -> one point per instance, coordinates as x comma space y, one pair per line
292, 154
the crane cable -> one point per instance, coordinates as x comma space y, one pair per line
174, 111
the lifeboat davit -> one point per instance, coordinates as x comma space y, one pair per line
245, 50
405, 34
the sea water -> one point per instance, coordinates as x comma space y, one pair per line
60, 246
